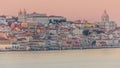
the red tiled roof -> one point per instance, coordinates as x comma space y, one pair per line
3, 38
51, 29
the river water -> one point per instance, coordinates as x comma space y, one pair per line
89, 58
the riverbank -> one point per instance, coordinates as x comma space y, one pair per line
64, 48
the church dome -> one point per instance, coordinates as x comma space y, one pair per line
105, 14
105, 17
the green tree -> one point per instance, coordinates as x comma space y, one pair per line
86, 32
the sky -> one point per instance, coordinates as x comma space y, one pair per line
71, 9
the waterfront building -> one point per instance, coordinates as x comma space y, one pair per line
4, 43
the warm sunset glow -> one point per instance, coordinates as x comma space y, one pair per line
72, 9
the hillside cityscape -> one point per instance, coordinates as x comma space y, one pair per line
36, 31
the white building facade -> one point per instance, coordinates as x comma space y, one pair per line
39, 18
105, 23
3, 20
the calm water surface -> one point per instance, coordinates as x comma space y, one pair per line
91, 58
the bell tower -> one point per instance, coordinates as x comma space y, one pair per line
22, 16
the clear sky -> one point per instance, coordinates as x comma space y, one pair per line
72, 9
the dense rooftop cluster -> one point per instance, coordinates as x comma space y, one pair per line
41, 32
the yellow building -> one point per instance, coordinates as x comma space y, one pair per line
24, 24
5, 43
88, 25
